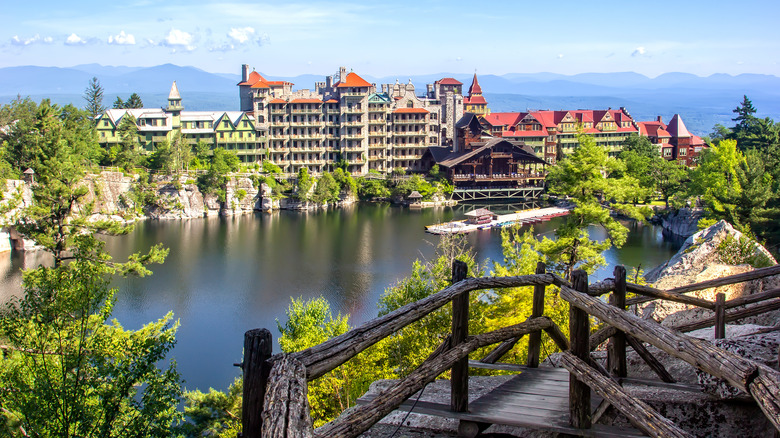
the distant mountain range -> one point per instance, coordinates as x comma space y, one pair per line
701, 101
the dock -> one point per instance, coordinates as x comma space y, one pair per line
525, 217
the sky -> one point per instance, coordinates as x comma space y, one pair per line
289, 38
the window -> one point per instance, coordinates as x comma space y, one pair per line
683, 152
105, 123
667, 152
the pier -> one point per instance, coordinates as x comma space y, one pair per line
526, 217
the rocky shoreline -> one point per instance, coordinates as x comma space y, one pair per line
172, 198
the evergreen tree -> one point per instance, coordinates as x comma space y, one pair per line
134, 101
119, 103
93, 94
67, 370
588, 177
744, 113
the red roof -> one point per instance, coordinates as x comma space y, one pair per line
278, 83
252, 79
306, 101
331, 101
277, 100
260, 84
653, 129
546, 118
677, 128
353, 80
475, 100
411, 111
449, 81
519, 133
475, 88
503, 119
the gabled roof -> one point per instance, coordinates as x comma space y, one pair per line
456, 158
411, 111
277, 100
353, 80
475, 88
449, 81
677, 128
503, 119
260, 84
379, 98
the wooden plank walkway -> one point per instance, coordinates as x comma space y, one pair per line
536, 399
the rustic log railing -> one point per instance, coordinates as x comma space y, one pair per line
275, 403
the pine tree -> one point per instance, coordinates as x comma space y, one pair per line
134, 101
93, 94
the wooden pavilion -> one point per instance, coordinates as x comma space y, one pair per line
491, 163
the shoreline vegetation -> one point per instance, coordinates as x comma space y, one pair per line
99, 379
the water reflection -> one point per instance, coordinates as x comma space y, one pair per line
228, 275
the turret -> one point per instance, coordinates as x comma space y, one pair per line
174, 105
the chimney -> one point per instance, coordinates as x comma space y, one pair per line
342, 74
244, 72
660, 120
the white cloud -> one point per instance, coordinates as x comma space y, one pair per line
241, 34
639, 51
560, 56
74, 40
16, 41
179, 39
121, 39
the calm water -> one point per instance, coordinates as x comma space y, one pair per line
228, 275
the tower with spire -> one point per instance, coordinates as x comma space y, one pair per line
475, 103
174, 105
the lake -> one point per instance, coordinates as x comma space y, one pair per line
224, 276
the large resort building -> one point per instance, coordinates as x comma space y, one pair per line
346, 119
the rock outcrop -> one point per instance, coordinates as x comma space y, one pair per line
683, 222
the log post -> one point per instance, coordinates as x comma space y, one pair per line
288, 406
616, 350
257, 349
459, 380
535, 339
579, 331
720, 315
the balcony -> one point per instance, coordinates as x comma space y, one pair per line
307, 111
354, 93
353, 110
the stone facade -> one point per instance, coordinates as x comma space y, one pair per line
346, 118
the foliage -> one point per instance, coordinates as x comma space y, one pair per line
68, 372
587, 177
345, 181
93, 95
514, 305
73, 374
310, 323
327, 189
45, 129
410, 346
134, 101
214, 413
667, 178
215, 180
271, 168
127, 153
369, 189
739, 251
200, 155
414, 183
304, 186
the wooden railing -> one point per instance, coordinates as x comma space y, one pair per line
275, 403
